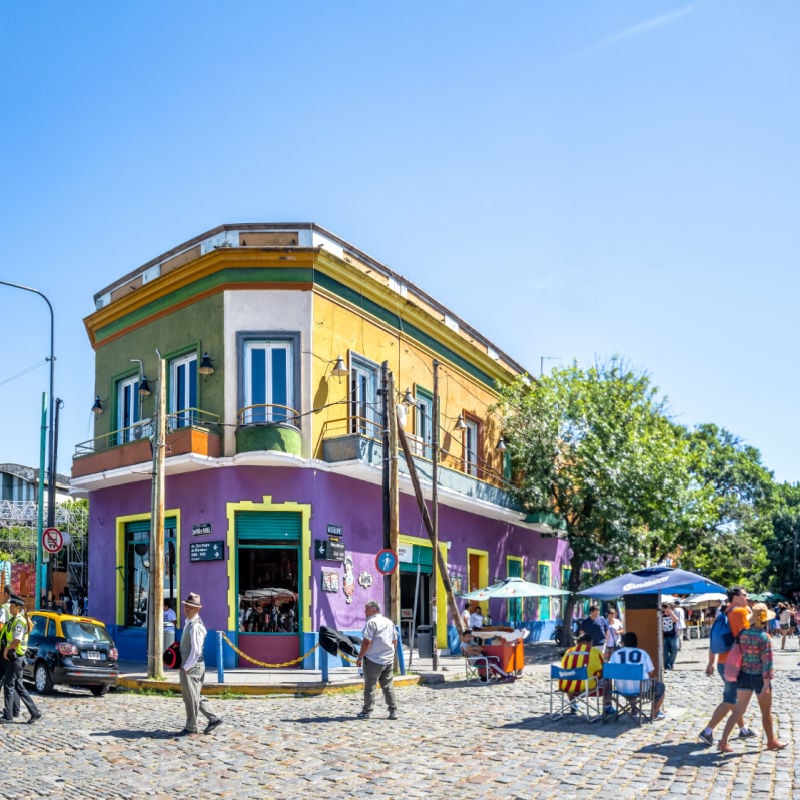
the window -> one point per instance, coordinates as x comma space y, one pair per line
267, 571
137, 569
183, 391
364, 415
268, 377
471, 439
424, 422
544, 579
129, 411
514, 605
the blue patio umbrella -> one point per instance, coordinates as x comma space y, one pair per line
652, 580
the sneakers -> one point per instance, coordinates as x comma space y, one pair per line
573, 706
658, 717
392, 714
706, 738
609, 710
746, 733
34, 717
363, 715
215, 723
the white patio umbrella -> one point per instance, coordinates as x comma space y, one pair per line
705, 600
511, 588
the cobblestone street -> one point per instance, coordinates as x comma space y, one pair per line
452, 740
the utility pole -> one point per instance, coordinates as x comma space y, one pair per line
394, 499
155, 594
385, 487
435, 516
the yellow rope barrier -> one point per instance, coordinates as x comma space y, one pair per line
264, 664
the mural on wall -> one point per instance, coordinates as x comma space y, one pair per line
330, 580
365, 580
348, 584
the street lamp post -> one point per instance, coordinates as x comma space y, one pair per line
51, 495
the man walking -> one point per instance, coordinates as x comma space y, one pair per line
193, 668
376, 657
738, 612
15, 644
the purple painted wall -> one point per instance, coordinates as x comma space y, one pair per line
334, 499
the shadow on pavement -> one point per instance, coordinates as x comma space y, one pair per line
326, 720
132, 735
683, 754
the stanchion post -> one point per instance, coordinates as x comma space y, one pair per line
324, 665
401, 658
220, 665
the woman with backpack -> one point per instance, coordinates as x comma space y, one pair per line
755, 675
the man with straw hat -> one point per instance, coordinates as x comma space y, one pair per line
193, 668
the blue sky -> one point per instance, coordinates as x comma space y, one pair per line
574, 179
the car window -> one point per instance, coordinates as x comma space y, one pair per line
85, 631
39, 626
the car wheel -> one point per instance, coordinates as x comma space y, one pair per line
99, 691
41, 679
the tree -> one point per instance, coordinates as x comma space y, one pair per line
596, 448
728, 543
782, 542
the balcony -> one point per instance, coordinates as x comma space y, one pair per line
364, 446
268, 426
190, 430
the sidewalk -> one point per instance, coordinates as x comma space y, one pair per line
133, 675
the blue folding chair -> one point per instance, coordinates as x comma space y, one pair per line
586, 690
630, 691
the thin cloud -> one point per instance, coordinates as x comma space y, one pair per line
630, 33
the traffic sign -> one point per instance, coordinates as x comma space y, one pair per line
386, 561
52, 540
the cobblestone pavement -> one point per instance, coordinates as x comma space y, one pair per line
451, 741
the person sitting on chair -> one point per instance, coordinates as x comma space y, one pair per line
582, 655
631, 653
470, 648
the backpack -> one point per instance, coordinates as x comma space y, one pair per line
721, 637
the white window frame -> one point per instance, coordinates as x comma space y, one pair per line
423, 421
472, 437
364, 406
267, 413
181, 409
129, 411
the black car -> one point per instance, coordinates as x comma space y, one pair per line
76, 651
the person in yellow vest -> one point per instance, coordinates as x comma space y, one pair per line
15, 643
5, 616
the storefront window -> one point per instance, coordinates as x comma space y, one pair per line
137, 569
267, 588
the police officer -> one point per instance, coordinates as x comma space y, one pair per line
5, 616
15, 643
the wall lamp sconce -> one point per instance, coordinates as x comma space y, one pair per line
460, 424
339, 368
144, 384
97, 408
205, 368
500, 447
408, 398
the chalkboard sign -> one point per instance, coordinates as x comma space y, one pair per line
206, 551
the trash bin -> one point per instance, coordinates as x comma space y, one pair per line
425, 641
169, 636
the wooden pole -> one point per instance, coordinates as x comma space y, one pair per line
155, 594
394, 500
448, 587
435, 514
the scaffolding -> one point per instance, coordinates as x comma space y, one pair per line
70, 518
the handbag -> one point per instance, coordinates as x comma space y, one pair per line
733, 663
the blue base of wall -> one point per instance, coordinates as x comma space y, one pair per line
132, 646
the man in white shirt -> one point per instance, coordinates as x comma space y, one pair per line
376, 658
193, 668
631, 653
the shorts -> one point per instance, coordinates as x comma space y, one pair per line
751, 682
729, 691
784, 629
